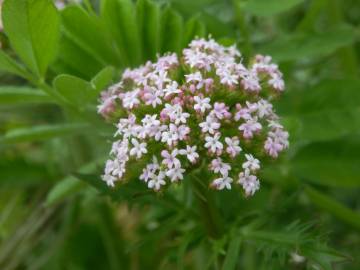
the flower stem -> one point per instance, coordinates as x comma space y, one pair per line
210, 215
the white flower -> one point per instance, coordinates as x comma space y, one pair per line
194, 77
190, 153
175, 173
130, 100
153, 97
213, 143
172, 89
139, 148
264, 108
170, 159
233, 147
250, 127
252, 163
181, 117
170, 136
210, 125
222, 182
156, 181
109, 179
201, 104
249, 182
218, 166
182, 132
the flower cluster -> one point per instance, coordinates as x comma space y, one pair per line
203, 109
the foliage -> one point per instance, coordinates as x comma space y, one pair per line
57, 214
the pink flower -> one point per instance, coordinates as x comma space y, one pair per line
250, 127
170, 159
218, 166
213, 143
221, 111
233, 147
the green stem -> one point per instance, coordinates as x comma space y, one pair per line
243, 27
210, 215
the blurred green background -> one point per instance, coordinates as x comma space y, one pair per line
309, 204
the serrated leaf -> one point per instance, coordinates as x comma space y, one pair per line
44, 132
148, 20
33, 29
120, 19
269, 7
172, 31
10, 95
334, 207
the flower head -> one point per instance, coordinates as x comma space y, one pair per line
218, 115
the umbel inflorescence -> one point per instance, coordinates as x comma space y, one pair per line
204, 108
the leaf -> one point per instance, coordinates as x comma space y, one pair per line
63, 189
19, 173
44, 132
326, 111
33, 30
333, 163
172, 31
329, 94
102, 79
120, 19
22, 95
309, 45
193, 28
326, 125
76, 61
334, 207
269, 7
148, 19
7, 64
232, 255
70, 184
77, 91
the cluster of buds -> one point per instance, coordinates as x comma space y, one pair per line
202, 109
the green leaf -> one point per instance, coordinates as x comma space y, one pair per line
70, 185
326, 125
120, 19
232, 255
76, 61
77, 91
193, 28
172, 31
63, 189
33, 30
148, 18
326, 111
327, 95
88, 33
333, 163
334, 207
309, 45
7, 64
19, 95
44, 132
102, 79
269, 7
